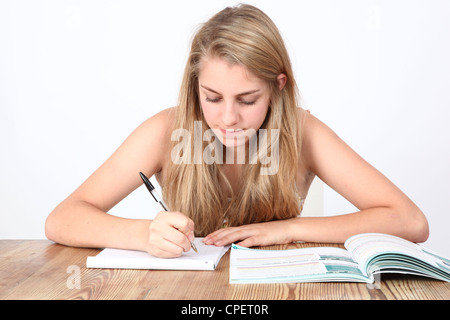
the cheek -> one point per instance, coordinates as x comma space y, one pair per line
210, 115
259, 115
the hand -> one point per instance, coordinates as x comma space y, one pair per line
259, 234
170, 234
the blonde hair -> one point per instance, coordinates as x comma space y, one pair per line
246, 36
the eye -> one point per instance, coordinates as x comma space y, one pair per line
248, 103
215, 100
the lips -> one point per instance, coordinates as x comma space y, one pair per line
231, 132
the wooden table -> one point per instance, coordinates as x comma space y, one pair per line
40, 269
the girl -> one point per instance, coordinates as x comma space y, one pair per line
235, 159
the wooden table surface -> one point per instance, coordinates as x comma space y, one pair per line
41, 269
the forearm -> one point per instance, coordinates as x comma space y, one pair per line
80, 224
337, 229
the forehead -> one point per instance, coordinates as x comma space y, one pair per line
225, 77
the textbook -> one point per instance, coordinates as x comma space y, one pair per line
207, 258
365, 256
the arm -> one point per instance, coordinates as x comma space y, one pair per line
81, 220
383, 207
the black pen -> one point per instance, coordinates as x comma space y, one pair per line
155, 196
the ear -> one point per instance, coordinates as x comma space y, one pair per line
281, 79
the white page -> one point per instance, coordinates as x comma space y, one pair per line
292, 265
207, 258
365, 246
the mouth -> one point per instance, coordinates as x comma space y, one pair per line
231, 132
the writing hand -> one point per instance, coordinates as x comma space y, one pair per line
170, 234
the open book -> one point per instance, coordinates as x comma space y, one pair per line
207, 258
366, 255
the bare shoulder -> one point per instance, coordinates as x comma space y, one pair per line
157, 131
316, 137
158, 128
160, 123
143, 150
310, 125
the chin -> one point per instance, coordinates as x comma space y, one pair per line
233, 143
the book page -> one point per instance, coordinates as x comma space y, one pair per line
292, 265
207, 258
364, 247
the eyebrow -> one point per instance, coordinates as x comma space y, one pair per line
239, 95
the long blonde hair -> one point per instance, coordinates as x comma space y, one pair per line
246, 36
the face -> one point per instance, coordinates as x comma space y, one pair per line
234, 101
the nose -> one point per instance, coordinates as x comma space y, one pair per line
230, 116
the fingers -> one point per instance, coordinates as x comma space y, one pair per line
227, 236
170, 245
182, 223
258, 234
170, 234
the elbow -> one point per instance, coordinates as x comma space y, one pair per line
53, 226
50, 227
422, 231
417, 226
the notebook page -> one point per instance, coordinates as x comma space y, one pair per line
207, 258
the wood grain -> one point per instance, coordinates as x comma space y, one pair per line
38, 269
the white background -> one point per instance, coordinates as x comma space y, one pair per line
76, 77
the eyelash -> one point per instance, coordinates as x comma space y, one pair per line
247, 103
212, 100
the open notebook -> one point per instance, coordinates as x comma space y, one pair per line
207, 258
